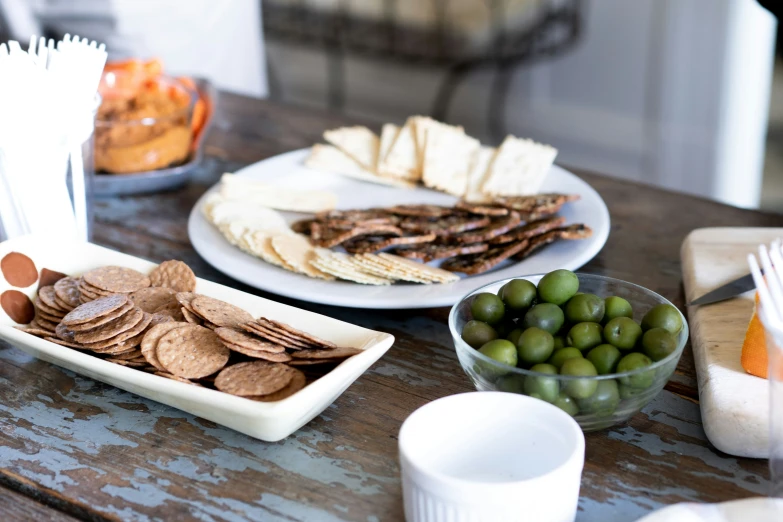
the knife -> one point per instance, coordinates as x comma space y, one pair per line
727, 291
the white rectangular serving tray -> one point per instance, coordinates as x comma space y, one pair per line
266, 421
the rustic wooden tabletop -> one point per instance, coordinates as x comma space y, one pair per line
72, 448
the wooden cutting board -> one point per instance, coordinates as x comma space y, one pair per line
734, 404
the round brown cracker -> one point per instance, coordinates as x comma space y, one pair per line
173, 377
92, 291
251, 379
297, 383
219, 312
279, 357
185, 298
229, 335
173, 310
314, 362
121, 347
95, 309
67, 292
150, 299
32, 330
133, 353
64, 333
61, 342
297, 334
149, 344
95, 323
47, 296
175, 275
342, 352
131, 333
191, 317
111, 329
274, 336
117, 279
130, 364
192, 352
49, 317
45, 323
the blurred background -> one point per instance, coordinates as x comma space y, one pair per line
683, 94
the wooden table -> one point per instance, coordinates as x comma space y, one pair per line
73, 448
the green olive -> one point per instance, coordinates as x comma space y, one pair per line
560, 356
604, 401
558, 287
567, 404
663, 316
559, 342
629, 392
634, 361
658, 343
518, 294
547, 316
547, 388
605, 358
616, 307
622, 332
584, 336
488, 308
501, 350
584, 308
514, 334
477, 333
579, 388
535, 346
511, 383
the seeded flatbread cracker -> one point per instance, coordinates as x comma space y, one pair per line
149, 344
482, 209
571, 232
175, 275
429, 211
116, 279
219, 312
372, 244
229, 335
297, 252
152, 298
518, 168
112, 328
536, 206
529, 230
480, 263
192, 352
340, 236
298, 381
497, 227
254, 378
434, 252
445, 226
95, 309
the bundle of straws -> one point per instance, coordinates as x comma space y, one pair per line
48, 97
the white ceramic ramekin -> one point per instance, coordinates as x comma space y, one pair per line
490, 457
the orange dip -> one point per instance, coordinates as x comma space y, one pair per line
143, 126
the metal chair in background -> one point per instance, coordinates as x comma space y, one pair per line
552, 28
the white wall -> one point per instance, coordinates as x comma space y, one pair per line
669, 92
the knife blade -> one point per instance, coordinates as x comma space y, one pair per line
727, 291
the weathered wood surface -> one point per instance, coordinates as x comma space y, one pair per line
16, 507
100, 453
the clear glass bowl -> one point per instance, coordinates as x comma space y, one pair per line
490, 375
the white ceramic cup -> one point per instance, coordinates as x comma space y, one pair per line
490, 457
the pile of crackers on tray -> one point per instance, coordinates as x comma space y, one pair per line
468, 238
440, 156
156, 323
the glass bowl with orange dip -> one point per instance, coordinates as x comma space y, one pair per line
143, 123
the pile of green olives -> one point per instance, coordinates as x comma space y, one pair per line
554, 329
